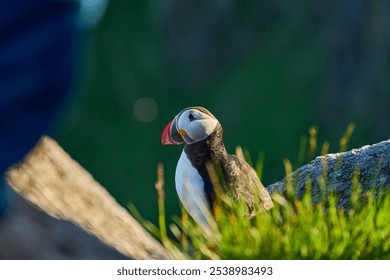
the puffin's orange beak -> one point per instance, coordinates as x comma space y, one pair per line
170, 135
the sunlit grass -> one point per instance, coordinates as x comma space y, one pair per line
293, 229
296, 228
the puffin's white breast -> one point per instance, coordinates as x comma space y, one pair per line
190, 189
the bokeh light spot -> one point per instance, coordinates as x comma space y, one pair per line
145, 109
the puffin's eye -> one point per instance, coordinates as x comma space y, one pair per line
191, 117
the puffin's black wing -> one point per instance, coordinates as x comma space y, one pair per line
242, 178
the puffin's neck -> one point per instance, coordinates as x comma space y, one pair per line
211, 148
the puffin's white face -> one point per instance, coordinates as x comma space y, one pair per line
194, 125
191, 125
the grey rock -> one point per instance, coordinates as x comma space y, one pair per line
30, 234
52, 181
335, 172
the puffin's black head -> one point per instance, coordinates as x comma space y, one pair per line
191, 125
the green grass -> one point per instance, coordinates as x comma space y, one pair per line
295, 228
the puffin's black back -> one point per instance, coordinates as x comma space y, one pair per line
239, 176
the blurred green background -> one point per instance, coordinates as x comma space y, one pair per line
268, 70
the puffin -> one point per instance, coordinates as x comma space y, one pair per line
202, 135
